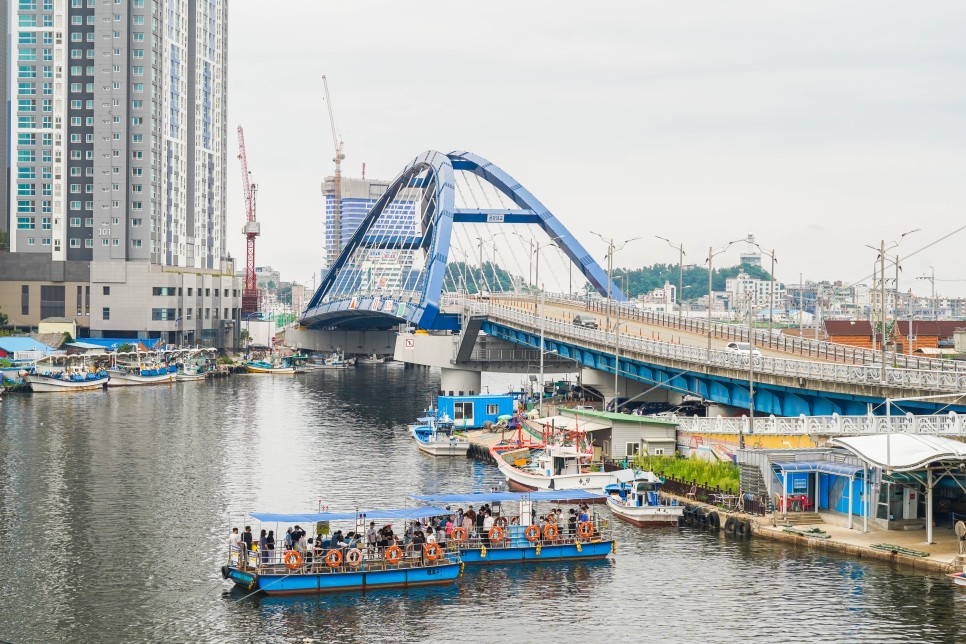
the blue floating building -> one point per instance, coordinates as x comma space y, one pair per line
470, 412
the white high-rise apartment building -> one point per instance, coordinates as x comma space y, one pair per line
117, 156
117, 133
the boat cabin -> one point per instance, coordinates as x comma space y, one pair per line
559, 460
640, 492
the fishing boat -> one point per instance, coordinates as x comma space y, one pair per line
550, 467
66, 380
334, 361
372, 358
341, 569
438, 437
135, 375
275, 367
189, 373
522, 534
638, 502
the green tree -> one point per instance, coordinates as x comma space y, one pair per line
3, 317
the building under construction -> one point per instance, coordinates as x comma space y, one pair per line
358, 196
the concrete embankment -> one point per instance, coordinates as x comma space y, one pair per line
903, 548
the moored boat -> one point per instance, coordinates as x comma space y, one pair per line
341, 568
438, 437
264, 366
131, 376
550, 467
959, 578
371, 359
526, 535
638, 502
59, 381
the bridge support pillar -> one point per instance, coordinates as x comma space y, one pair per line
460, 382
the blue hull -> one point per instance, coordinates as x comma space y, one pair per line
282, 584
520, 554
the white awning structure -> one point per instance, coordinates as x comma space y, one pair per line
903, 452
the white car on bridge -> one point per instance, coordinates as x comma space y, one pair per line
743, 348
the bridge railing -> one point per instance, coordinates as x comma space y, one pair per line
811, 348
944, 424
804, 370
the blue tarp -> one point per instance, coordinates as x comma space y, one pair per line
826, 467
14, 344
491, 497
404, 513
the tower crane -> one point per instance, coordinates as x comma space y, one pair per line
339, 156
251, 230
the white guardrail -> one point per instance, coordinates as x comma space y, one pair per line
853, 374
946, 424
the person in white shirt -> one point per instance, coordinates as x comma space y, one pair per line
234, 541
487, 524
430, 535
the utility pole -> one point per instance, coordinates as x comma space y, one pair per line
932, 298
681, 254
801, 298
751, 374
882, 308
771, 289
711, 255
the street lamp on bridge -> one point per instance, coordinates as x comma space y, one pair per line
771, 287
711, 255
681, 254
611, 249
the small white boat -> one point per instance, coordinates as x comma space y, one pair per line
551, 467
638, 502
371, 359
959, 578
59, 381
134, 376
438, 437
190, 374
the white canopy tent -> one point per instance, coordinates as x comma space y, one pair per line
911, 454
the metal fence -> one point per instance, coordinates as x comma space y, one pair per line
803, 370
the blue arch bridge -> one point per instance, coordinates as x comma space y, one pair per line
445, 270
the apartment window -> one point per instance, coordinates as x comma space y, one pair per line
45, 241
89, 222
106, 290
88, 243
105, 242
207, 292
45, 223
136, 205
162, 314
189, 293
80, 300
135, 222
75, 222
24, 300
135, 243
106, 313
74, 242
87, 299
632, 449
115, 242
226, 314
30, 241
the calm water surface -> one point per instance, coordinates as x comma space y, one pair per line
115, 509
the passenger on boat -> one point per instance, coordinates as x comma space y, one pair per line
263, 546
572, 523
480, 517
270, 545
430, 535
469, 520
487, 525
289, 541
247, 537
234, 540
372, 536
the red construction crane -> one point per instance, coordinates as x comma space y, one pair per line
251, 230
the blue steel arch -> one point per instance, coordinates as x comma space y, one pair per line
434, 172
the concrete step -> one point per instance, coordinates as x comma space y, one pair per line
801, 518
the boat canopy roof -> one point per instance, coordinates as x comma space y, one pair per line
489, 497
402, 513
824, 467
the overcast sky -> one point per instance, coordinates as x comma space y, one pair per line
818, 126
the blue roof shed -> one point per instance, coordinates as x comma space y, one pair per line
472, 411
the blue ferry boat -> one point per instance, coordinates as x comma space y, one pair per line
519, 534
340, 569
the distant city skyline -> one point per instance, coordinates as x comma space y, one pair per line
821, 128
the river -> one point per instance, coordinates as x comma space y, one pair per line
115, 509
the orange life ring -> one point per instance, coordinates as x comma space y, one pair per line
500, 521
353, 557
496, 534
550, 531
586, 529
394, 554
432, 551
333, 558
532, 533
293, 559
459, 534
